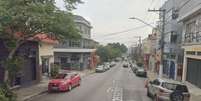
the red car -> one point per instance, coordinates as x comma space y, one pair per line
64, 82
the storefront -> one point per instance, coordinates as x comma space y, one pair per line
192, 65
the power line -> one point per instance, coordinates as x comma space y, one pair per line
124, 31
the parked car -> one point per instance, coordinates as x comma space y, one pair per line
112, 64
141, 72
167, 90
100, 68
125, 65
64, 82
107, 66
135, 68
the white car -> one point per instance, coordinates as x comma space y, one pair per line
167, 90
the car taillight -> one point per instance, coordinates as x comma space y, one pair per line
161, 92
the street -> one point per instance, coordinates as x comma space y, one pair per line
117, 84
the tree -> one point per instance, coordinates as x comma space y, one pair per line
111, 51
21, 20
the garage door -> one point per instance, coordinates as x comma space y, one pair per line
194, 71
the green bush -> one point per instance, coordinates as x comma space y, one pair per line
54, 70
2, 96
6, 94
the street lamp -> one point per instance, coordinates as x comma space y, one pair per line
162, 40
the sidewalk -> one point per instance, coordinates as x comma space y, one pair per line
29, 92
194, 91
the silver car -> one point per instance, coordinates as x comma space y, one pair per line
167, 90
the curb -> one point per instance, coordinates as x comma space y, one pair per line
45, 91
34, 95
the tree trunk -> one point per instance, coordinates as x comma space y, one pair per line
10, 56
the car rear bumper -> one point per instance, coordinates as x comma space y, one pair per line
141, 74
163, 98
57, 88
99, 71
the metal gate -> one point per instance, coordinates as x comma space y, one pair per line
194, 71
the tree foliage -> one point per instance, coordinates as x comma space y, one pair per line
31, 17
21, 20
111, 51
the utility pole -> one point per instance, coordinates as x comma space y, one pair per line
162, 38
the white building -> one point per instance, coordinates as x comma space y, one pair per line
190, 16
77, 54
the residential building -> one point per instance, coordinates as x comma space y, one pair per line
46, 53
146, 52
33, 52
30, 71
172, 53
157, 54
153, 44
190, 16
149, 50
77, 54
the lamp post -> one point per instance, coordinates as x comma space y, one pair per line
162, 38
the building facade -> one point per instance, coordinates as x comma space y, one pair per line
46, 53
190, 16
77, 54
172, 39
30, 71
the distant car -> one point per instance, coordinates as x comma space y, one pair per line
112, 64
64, 82
100, 68
125, 65
141, 72
167, 90
107, 66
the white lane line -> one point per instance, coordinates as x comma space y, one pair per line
117, 94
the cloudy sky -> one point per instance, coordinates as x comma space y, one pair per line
110, 22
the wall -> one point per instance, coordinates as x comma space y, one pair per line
46, 49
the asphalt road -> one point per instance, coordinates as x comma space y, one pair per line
116, 84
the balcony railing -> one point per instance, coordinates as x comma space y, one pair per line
191, 38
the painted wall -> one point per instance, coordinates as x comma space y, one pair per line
46, 49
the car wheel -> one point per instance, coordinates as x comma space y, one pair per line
79, 82
155, 98
70, 87
176, 96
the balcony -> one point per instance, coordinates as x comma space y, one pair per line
192, 38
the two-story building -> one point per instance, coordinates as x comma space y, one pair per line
190, 16
77, 54
33, 52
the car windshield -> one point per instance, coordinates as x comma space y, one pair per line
61, 76
174, 87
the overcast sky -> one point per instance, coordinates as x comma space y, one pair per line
111, 16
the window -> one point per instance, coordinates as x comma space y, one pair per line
173, 87
198, 53
190, 53
74, 43
190, 35
173, 38
156, 82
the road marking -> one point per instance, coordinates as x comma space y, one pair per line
117, 94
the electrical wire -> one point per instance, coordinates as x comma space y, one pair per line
124, 31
